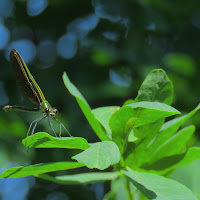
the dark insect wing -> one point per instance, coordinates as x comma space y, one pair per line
32, 91
25, 80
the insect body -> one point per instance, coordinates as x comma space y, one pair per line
33, 92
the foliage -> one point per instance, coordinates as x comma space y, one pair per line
135, 140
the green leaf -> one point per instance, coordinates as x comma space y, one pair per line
192, 154
119, 190
39, 169
77, 179
169, 129
148, 130
170, 163
158, 187
44, 140
135, 115
157, 87
189, 176
136, 155
85, 108
121, 123
146, 112
174, 124
104, 114
177, 144
100, 155
129, 101
133, 136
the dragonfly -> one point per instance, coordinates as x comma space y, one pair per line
32, 91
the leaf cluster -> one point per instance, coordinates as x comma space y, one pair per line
136, 140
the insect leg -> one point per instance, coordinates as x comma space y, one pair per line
30, 127
36, 123
62, 126
51, 126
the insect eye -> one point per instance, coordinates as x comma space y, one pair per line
46, 110
56, 111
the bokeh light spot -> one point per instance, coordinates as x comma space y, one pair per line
46, 53
121, 79
67, 46
15, 188
26, 49
4, 36
110, 35
103, 10
102, 57
57, 196
82, 26
35, 7
181, 63
6, 8
22, 32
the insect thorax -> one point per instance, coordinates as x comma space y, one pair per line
46, 108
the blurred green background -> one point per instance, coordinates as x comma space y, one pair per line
107, 47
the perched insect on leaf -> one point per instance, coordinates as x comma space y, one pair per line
33, 92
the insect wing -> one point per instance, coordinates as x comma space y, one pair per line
25, 80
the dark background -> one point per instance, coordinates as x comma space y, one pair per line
107, 47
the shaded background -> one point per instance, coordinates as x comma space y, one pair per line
107, 47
